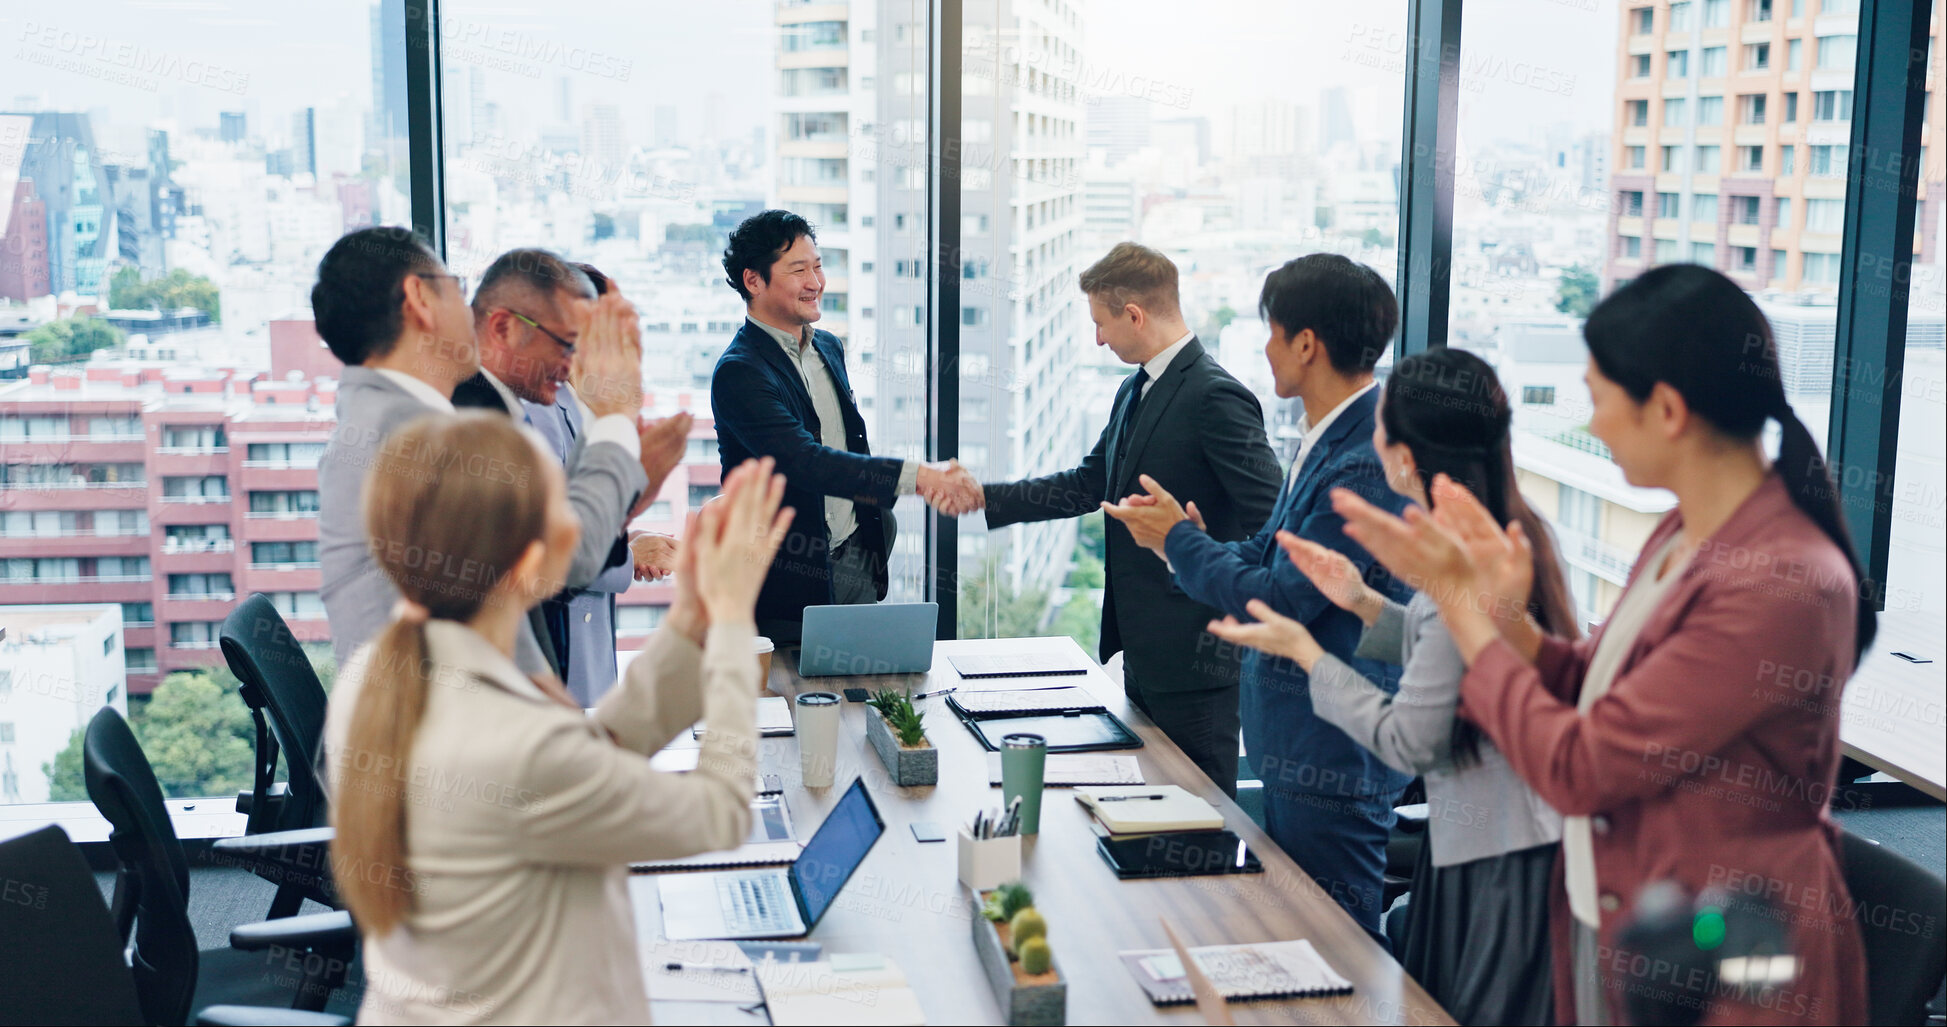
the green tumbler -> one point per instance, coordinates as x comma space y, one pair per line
1023, 758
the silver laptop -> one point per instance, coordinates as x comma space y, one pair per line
875, 638
779, 902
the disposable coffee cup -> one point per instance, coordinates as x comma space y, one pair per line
817, 731
1023, 757
764, 650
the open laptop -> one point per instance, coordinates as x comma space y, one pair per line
778, 902
872, 638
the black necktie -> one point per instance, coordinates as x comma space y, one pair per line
1126, 426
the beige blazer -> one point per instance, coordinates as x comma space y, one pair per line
522, 816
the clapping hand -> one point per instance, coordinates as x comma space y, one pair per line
950, 488
1150, 517
607, 368
1274, 633
663, 443
1504, 561
1335, 576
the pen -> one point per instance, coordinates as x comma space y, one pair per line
705, 968
1126, 798
937, 691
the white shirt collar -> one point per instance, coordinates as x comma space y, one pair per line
1317, 430
1159, 363
506, 394
418, 389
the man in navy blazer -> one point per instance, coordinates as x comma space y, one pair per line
1327, 800
780, 390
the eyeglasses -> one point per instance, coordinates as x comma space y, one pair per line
539, 327
459, 281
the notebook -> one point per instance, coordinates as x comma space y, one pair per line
772, 842
1016, 665
841, 989
1278, 969
1039, 700
1069, 769
773, 718
1145, 809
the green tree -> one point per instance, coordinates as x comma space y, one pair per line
1576, 294
1088, 535
1087, 571
177, 289
989, 606
195, 730
1080, 618
74, 338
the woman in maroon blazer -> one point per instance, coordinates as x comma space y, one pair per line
1694, 737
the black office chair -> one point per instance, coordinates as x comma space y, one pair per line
1905, 961
60, 959
151, 906
287, 703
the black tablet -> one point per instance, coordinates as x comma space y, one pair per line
1178, 854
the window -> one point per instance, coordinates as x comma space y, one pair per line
1632, 203
1666, 205
638, 619
701, 451
195, 438
1674, 113
137, 613
1825, 215
1787, 160
1712, 63
1832, 105
1637, 112
1791, 108
1821, 269
1632, 247
1836, 52
213, 488
1784, 212
1717, 13
1633, 157
1703, 253
1750, 160
1639, 64
1642, 20
1758, 10
1757, 56
1676, 64
284, 454
1747, 258
1780, 260
274, 554
188, 634
1703, 207
1671, 158
1751, 108
284, 504
1829, 161
200, 586
1680, 16
141, 660
1708, 160
1710, 111
297, 605
1794, 54
1538, 395
1666, 251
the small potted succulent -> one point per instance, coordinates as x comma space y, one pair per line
897, 731
1011, 937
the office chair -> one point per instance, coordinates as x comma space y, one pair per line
287, 703
151, 906
1905, 960
60, 959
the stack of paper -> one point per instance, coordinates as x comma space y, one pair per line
1142, 809
854, 989
1278, 969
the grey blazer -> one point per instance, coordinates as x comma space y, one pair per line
1479, 810
590, 608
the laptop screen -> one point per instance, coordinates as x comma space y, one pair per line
837, 849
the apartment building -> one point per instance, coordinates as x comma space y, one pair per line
1733, 124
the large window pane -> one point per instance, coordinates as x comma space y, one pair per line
611, 133
169, 176
1087, 126
1548, 216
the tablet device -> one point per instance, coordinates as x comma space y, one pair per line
1178, 854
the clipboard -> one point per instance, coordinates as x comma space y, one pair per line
1067, 729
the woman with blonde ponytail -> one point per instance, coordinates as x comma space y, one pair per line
485, 823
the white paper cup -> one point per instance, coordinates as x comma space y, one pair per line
816, 726
764, 650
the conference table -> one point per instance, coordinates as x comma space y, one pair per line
906, 901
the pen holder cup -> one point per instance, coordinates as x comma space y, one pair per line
988, 863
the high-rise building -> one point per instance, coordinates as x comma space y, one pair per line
24, 272
56, 152
232, 127
1119, 125
602, 141
1730, 149
58, 665
304, 141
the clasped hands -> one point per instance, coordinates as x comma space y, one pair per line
950, 488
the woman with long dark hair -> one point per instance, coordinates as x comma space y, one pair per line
1694, 737
1477, 926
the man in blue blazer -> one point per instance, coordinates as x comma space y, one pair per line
780, 390
1327, 800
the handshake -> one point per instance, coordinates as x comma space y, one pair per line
950, 488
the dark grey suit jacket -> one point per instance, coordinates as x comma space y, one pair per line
1200, 433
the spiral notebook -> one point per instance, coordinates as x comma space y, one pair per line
1278, 969
772, 842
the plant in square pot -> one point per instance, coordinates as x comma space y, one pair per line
897, 732
1011, 937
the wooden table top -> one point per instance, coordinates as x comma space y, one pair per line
907, 903
1891, 712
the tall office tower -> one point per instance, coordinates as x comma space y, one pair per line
59, 157
602, 141
1268, 137
1335, 123
1119, 125
304, 141
853, 158
23, 216
1730, 149
232, 127
386, 131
